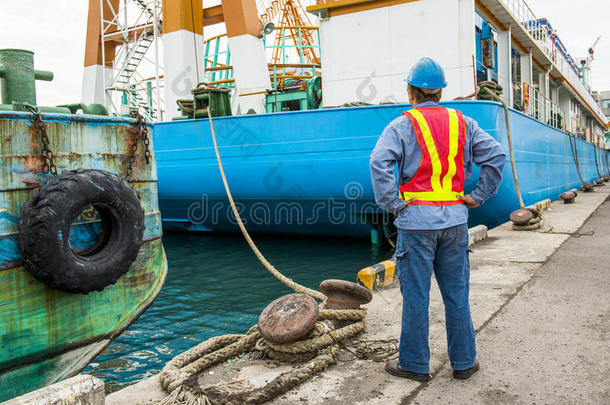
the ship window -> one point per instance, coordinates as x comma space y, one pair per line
516, 66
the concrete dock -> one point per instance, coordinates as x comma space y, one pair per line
541, 307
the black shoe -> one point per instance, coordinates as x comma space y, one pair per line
466, 374
393, 368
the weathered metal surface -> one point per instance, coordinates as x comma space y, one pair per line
568, 197
522, 216
599, 182
288, 318
50, 370
47, 335
19, 76
40, 323
76, 141
574, 190
344, 294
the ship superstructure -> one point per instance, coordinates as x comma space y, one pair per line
311, 150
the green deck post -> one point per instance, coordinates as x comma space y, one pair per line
19, 76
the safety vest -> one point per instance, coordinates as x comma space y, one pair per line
441, 134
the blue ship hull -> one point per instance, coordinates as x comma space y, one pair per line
307, 172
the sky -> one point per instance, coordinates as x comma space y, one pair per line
55, 31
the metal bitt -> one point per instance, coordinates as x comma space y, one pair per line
599, 182
344, 294
214, 98
19, 76
523, 216
288, 318
568, 197
606, 178
587, 187
574, 190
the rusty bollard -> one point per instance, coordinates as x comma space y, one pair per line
344, 294
606, 178
523, 216
288, 318
574, 190
587, 187
599, 182
568, 197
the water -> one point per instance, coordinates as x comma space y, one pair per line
215, 285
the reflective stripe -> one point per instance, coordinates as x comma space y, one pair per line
454, 133
435, 180
440, 192
431, 195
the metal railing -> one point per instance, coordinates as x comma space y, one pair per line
219, 71
134, 30
538, 106
539, 32
217, 61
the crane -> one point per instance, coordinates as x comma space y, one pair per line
592, 48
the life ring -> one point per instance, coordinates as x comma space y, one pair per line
526, 94
47, 221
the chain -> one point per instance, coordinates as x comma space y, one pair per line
142, 133
48, 165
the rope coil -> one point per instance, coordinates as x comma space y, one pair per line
319, 350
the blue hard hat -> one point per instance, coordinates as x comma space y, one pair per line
427, 74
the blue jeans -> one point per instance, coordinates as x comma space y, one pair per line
444, 252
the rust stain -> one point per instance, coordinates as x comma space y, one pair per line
138, 283
52, 326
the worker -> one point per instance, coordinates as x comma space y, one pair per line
434, 148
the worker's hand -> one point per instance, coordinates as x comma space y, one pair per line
406, 203
468, 201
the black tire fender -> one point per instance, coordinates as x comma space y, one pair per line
46, 221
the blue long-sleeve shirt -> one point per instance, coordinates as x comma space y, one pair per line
398, 145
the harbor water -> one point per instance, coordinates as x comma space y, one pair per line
215, 285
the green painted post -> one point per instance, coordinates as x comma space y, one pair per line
149, 94
228, 73
374, 236
207, 54
215, 63
19, 76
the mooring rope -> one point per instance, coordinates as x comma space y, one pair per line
596, 165
275, 272
317, 351
574, 149
489, 88
180, 379
535, 223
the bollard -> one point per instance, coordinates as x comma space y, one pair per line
522, 216
344, 294
587, 187
568, 197
288, 318
19, 77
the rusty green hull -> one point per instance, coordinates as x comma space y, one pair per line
47, 335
